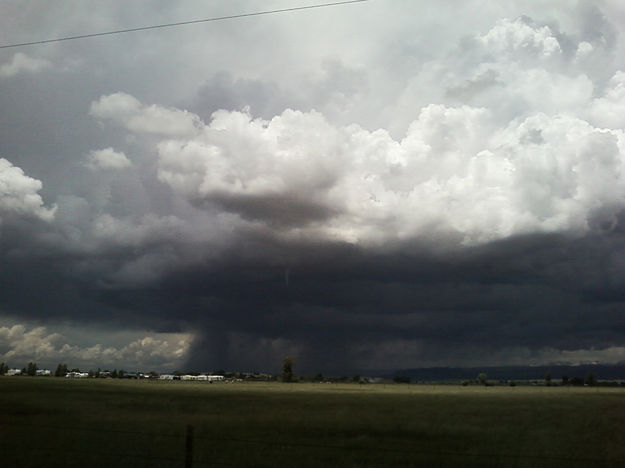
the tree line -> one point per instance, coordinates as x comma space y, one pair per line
30, 369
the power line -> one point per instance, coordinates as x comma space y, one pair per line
183, 23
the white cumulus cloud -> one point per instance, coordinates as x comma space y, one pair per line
22, 63
107, 158
609, 110
521, 36
508, 133
126, 111
18, 193
20, 344
457, 170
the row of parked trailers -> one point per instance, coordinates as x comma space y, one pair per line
204, 378
40, 372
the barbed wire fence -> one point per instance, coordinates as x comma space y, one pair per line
188, 439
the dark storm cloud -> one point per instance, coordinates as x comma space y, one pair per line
339, 303
490, 299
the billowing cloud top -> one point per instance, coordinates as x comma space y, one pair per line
457, 171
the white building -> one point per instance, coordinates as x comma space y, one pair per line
188, 377
215, 378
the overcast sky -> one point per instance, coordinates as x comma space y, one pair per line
379, 185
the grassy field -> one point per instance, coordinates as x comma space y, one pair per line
62, 422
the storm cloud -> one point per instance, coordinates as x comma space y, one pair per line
388, 194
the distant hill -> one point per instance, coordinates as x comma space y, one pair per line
430, 374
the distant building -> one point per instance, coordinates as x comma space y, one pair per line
43, 372
201, 377
14, 372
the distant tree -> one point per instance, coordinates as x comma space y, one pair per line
356, 378
3, 368
401, 379
120, 373
287, 369
591, 380
31, 369
481, 378
548, 379
114, 374
318, 378
565, 380
61, 370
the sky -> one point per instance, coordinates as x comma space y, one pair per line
372, 186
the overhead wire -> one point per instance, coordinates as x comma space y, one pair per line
182, 23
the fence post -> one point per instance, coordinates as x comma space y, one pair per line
188, 453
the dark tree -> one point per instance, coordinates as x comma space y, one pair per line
61, 370
591, 380
548, 379
287, 369
31, 369
3, 368
565, 380
481, 378
114, 374
401, 379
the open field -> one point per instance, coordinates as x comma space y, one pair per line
62, 422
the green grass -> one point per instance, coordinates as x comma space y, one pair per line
62, 422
